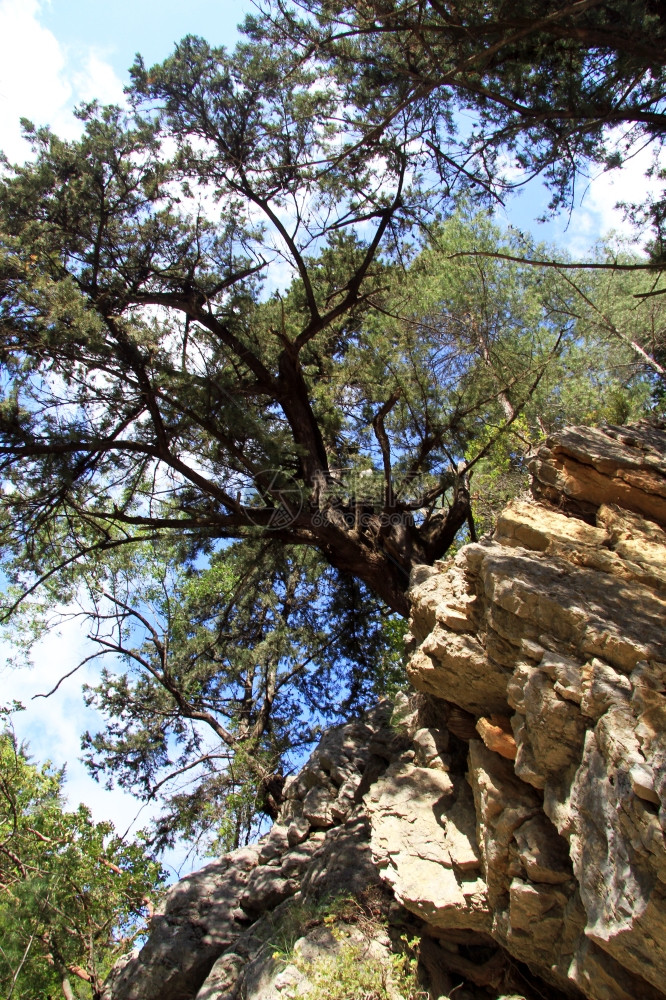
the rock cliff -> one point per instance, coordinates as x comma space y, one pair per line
501, 829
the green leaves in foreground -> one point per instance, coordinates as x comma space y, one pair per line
73, 894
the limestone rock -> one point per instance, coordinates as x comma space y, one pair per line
202, 922
424, 844
406, 822
581, 468
223, 979
565, 633
199, 919
616, 840
298, 831
496, 734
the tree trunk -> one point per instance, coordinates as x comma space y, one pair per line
384, 548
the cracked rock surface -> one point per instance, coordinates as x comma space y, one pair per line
558, 623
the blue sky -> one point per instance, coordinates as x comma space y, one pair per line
54, 55
121, 28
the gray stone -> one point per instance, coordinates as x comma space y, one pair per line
298, 831
424, 845
197, 921
317, 808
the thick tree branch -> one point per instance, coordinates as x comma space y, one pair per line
384, 444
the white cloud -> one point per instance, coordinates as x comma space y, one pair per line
96, 80
42, 80
53, 726
626, 184
598, 215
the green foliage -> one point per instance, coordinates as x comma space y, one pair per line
73, 894
225, 412
353, 973
219, 675
354, 970
227, 436
282, 929
486, 88
520, 351
229, 658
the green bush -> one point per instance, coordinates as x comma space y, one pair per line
353, 971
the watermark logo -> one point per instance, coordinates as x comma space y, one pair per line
275, 502
361, 519
353, 497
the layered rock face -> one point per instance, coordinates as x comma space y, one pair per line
510, 815
552, 637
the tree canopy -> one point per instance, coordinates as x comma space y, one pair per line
548, 88
258, 364
228, 674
